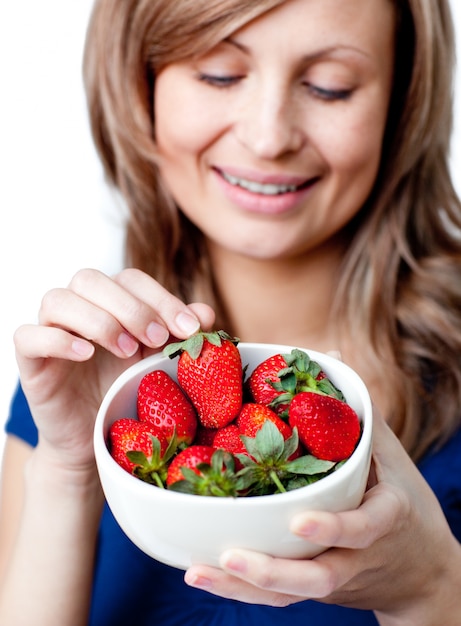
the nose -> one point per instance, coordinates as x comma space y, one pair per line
268, 123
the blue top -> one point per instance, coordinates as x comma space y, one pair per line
132, 588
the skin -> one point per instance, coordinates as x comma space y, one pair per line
305, 102
274, 125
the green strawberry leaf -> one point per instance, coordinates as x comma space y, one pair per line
287, 383
310, 465
222, 462
193, 345
183, 486
297, 482
248, 476
291, 444
138, 457
216, 479
214, 338
326, 386
268, 444
301, 375
267, 470
189, 473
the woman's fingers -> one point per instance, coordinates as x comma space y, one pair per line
69, 311
180, 319
358, 542
356, 529
50, 342
138, 303
228, 585
204, 313
120, 313
260, 579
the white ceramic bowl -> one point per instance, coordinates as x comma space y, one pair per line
181, 529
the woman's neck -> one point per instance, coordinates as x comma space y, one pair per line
290, 302
280, 301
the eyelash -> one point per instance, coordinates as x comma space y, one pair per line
220, 82
328, 95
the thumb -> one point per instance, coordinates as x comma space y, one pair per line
381, 503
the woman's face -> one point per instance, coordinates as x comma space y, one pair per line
271, 142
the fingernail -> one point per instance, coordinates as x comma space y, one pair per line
82, 348
127, 344
200, 582
234, 562
305, 529
157, 334
187, 323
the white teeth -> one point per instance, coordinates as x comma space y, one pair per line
267, 189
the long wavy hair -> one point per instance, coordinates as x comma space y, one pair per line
400, 285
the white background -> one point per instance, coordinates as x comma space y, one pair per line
56, 215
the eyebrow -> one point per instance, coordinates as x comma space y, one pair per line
318, 54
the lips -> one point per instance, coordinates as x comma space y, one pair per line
263, 184
261, 193
267, 189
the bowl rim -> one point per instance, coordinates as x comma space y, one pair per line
104, 458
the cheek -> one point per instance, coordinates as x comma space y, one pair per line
184, 124
353, 147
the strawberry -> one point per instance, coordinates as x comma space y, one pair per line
190, 458
161, 402
298, 373
203, 470
252, 417
228, 438
205, 436
210, 372
260, 383
328, 428
271, 464
141, 449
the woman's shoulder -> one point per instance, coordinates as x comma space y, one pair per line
441, 467
442, 458
20, 421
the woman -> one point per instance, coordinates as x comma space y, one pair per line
284, 164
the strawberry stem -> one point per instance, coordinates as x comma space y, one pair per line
157, 480
275, 479
193, 344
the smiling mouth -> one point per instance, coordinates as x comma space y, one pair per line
266, 189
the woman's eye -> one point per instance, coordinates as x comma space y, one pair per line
219, 81
330, 95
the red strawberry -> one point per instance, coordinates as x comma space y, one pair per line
327, 427
140, 448
252, 417
205, 436
260, 383
276, 380
189, 457
203, 470
162, 403
210, 372
228, 438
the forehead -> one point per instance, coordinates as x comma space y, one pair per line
323, 17
320, 27
194, 28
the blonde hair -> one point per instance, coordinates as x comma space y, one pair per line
401, 282
128, 41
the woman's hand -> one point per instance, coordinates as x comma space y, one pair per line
86, 335
385, 556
